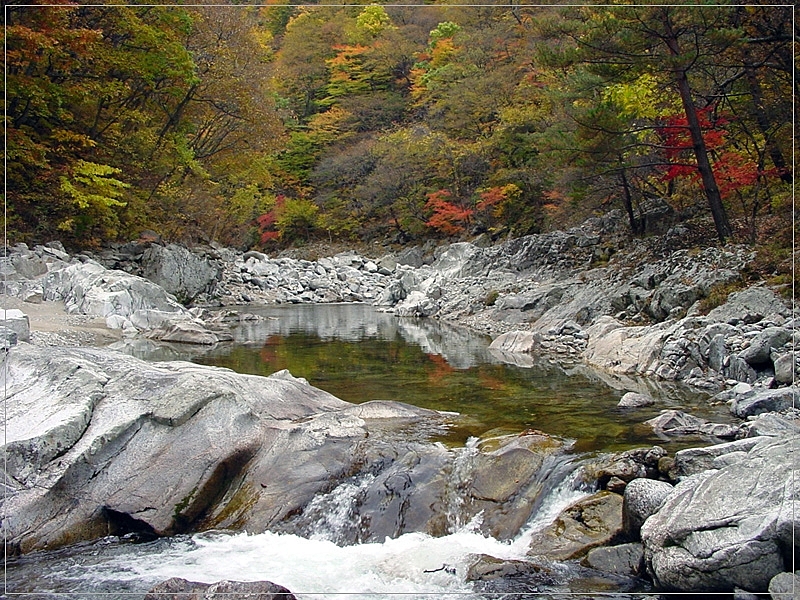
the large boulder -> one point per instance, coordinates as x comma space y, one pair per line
757, 353
515, 341
765, 401
159, 448
91, 289
728, 528
641, 499
180, 272
748, 306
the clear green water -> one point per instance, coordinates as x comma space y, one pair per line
359, 354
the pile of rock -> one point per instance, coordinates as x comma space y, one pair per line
346, 277
722, 522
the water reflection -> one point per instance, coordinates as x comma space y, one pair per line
359, 354
459, 347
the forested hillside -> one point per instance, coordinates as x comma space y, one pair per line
267, 126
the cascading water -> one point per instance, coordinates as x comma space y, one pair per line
457, 482
562, 485
313, 566
334, 517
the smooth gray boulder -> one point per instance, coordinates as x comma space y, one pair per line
748, 306
515, 341
785, 367
784, 586
641, 499
158, 448
635, 400
728, 528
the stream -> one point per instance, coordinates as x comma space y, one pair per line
360, 354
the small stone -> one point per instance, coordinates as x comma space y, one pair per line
635, 400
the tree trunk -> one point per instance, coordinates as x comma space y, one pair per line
698, 143
763, 120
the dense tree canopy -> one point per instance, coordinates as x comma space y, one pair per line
275, 124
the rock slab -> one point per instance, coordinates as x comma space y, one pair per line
728, 528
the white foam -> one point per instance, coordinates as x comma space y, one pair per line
414, 563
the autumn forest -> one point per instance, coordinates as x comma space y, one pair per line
267, 126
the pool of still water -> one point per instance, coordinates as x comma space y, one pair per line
359, 354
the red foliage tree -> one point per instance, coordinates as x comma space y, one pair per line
447, 217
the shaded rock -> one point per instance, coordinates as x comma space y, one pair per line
29, 267
179, 271
758, 352
586, 524
748, 306
765, 401
181, 589
412, 257
739, 370
635, 400
8, 338
624, 559
784, 585
641, 499
15, 320
729, 528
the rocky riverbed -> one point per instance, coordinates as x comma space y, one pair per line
581, 296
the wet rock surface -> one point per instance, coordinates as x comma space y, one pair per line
181, 589
591, 522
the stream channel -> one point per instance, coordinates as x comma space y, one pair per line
359, 354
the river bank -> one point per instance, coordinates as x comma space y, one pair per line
564, 295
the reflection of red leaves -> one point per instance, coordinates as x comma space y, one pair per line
441, 368
447, 217
490, 382
268, 352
